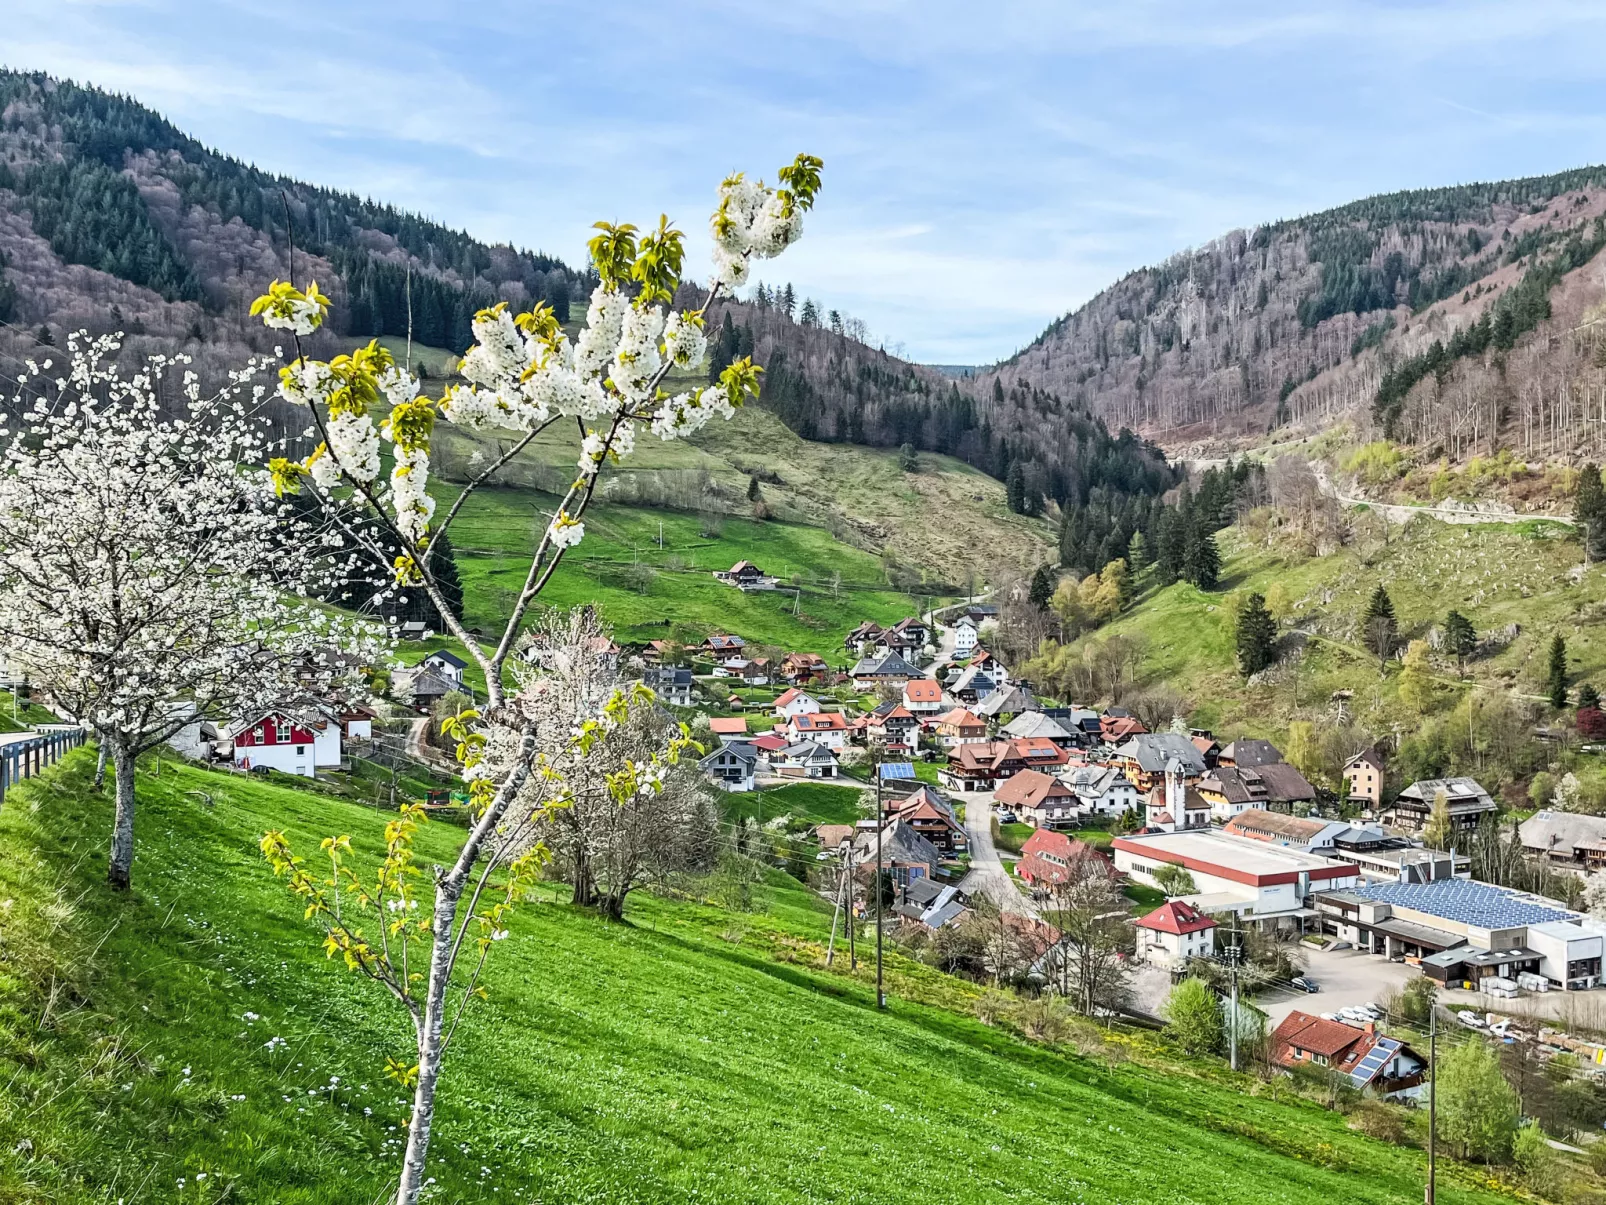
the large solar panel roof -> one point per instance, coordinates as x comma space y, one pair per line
1469, 902
897, 769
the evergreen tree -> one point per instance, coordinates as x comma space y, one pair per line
1256, 636
787, 301
908, 461
1588, 696
1015, 487
557, 296
753, 492
811, 313
1137, 554
1378, 624
1557, 674
1042, 588
443, 563
1202, 559
1173, 540
1589, 509
1460, 638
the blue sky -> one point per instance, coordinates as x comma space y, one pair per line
988, 166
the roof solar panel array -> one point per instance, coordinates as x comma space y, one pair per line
1379, 1054
897, 770
1469, 902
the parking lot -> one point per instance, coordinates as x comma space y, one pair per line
1346, 978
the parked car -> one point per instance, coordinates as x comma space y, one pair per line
1471, 1020
1305, 984
1006, 817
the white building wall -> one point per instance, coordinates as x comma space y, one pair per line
326, 744
284, 758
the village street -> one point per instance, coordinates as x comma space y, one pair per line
987, 874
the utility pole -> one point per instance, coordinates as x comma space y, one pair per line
1433, 1097
880, 823
1232, 1016
836, 909
853, 954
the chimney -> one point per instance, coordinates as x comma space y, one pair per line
1369, 1029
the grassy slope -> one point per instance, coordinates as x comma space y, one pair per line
495, 527
1495, 574
660, 1061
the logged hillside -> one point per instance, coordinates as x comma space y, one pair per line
190, 1042
1447, 317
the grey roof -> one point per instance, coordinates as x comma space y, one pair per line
668, 675
740, 750
1562, 832
977, 678
1459, 792
898, 841
1250, 752
1014, 699
889, 665
1152, 750
924, 892
1469, 902
943, 914
808, 751
1035, 723
449, 657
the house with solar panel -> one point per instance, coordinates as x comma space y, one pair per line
1464, 933
1371, 1061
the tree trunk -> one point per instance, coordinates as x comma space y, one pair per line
430, 1045
120, 865
100, 766
585, 884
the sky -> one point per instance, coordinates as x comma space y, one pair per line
988, 167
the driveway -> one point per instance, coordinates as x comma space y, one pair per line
1346, 977
987, 874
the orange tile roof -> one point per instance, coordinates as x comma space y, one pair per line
727, 725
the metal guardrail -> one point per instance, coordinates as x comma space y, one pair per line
21, 759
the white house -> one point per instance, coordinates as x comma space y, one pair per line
828, 728
1102, 790
294, 740
359, 722
965, 636
448, 664
1173, 933
795, 702
922, 696
189, 739
732, 766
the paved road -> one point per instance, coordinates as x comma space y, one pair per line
987, 874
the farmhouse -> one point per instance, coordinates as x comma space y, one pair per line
1468, 804
1371, 1061
1566, 838
893, 726
1246, 753
973, 684
1034, 724
1007, 701
295, 739
804, 759
1102, 790
1118, 729
1172, 934
729, 728
930, 815
1258, 881
424, 684
723, 645
745, 575
888, 667
904, 854
1273, 786
801, 668
1039, 799
1049, 858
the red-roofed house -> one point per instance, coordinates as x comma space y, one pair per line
1039, 799
960, 727
1049, 858
728, 728
893, 726
1113, 729
1173, 933
1369, 1059
929, 814
770, 743
799, 668
922, 696
794, 702
828, 728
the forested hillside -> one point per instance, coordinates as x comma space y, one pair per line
1454, 318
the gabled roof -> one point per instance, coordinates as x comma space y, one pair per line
961, 717
820, 721
1563, 832
744, 567
976, 678
1456, 791
449, 657
1250, 752
1178, 917
1285, 784
722, 641
923, 690
899, 843
1326, 1038
1152, 750
1367, 757
1261, 825
806, 752
1036, 724
888, 665
740, 750
1119, 727
1012, 699
893, 711
727, 725
791, 695
833, 835
770, 742
1049, 855
925, 804
1031, 789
